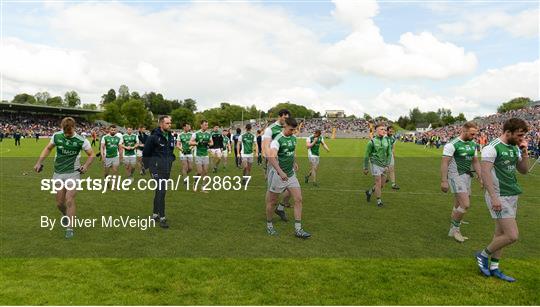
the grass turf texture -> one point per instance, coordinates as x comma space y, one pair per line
217, 251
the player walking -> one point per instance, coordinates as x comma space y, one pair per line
216, 147
378, 152
247, 148
500, 160
313, 144
282, 176
130, 142
202, 139
185, 149
110, 145
67, 166
459, 157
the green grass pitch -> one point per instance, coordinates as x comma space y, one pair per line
217, 250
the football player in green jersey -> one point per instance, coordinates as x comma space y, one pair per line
459, 157
130, 143
500, 160
378, 153
67, 167
182, 144
313, 144
110, 147
247, 148
202, 139
391, 167
226, 147
269, 134
282, 176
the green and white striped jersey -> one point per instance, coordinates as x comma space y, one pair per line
504, 157
462, 154
68, 152
130, 140
315, 149
203, 139
286, 146
112, 142
272, 131
247, 140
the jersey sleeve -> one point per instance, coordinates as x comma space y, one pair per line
489, 154
193, 136
51, 141
86, 145
240, 138
102, 140
267, 134
121, 138
274, 145
449, 150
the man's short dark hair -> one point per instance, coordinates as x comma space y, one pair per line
515, 124
112, 126
162, 118
238, 130
184, 124
248, 126
284, 112
318, 131
203, 121
291, 122
379, 125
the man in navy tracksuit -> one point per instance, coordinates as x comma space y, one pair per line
158, 156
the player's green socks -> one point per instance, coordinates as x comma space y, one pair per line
280, 207
494, 264
297, 225
486, 252
455, 224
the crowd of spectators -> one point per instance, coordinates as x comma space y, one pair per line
40, 125
490, 127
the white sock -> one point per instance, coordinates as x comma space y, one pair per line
269, 224
280, 207
297, 225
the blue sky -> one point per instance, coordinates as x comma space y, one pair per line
377, 57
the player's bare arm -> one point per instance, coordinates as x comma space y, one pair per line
444, 173
489, 186
44, 154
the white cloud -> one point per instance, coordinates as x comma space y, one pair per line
416, 55
502, 84
478, 24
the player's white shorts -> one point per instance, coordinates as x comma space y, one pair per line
132, 160
508, 204
276, 185
460, 183
247, 158
225, 153
377, 170
109, 162
314, 159
216, 152
188, 157
202, 160
391, 160
64, 177
139, 153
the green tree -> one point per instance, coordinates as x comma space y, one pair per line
461, 118
182, 115
89, 106
190, 104
55, 101
41, 97
367, 117
72, 99
134, 112
514, 104
135, 95
109, 97
112, 114
297, 111
24, 98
